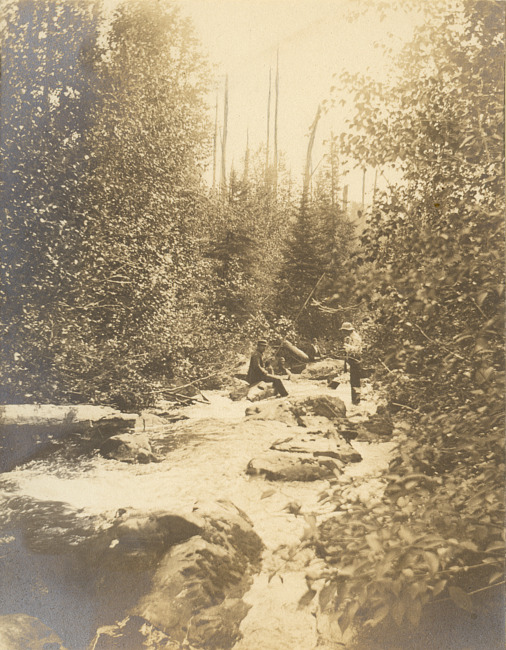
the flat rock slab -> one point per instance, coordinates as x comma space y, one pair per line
283, 466
319, 447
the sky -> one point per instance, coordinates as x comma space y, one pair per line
242, 37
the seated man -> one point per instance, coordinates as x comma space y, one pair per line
257, 371
282, 368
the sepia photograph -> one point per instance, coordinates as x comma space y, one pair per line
252, 337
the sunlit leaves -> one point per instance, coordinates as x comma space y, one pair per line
102, 240
434, 254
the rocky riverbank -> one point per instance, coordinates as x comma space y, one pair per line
198, 549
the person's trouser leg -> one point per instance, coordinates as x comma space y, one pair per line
355, 372
278, 386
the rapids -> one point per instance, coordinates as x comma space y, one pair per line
203, 459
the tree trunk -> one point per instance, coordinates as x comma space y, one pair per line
307, 171
224, 141
268, 130
276, 127
215, 142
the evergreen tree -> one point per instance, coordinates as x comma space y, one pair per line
320, 242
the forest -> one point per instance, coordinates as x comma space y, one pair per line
125, 272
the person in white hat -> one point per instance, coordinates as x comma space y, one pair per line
353, 350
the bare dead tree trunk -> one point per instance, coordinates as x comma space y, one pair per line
307, 171
268, 129
333, 170
215, 142
224, 141
276, 127
246, 160
333, 187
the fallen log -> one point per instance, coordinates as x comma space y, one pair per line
27, 429
295, 350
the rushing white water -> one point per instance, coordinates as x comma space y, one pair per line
204, 459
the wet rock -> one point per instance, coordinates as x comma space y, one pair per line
337, 429
137, 540
238, 390
279, 410
23, 632
260, 391
128, 448
26, 430
156, 420
197, 588
282, 466
326, 406
319, 446
132, 633
225, 524
323, 370
295, 411
380, 423
218, 627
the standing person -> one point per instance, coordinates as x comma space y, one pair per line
257, 371
353, 354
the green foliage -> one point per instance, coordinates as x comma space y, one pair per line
101, 245
431, 272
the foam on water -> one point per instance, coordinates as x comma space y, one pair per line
205, 460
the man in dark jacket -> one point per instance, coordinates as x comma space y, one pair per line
257, 371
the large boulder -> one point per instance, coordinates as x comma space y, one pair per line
283, 466
23, 632
280, 410
326, 406
136, 540
238, 389
26, 430
197, 589
128, 448
299, 411
172, 574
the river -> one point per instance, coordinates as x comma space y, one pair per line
204, 459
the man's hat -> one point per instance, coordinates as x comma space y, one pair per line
347, 327
262, 342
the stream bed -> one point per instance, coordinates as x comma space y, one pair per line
203, 459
